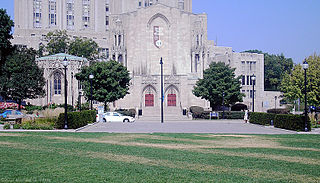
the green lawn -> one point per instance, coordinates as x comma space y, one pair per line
103, 157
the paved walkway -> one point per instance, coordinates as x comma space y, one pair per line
198, 126
214, 126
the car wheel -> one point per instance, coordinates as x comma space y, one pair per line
126, 120
104, 120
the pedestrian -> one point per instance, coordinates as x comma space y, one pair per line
245, 116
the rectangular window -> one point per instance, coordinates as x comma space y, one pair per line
86, 13
52, 12
37, 13
248, 80
254, 66
140, 4
243, 66
70, 14
243, 80
181, 4
107, 6
119, 40
107, 21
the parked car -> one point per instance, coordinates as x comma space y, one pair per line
116, 117
12, 114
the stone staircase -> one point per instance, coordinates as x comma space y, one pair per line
169, 113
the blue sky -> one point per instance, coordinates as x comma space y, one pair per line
291, 27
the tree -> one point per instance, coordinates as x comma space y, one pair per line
218, 79
6, 25
60, 42
23, 79
84, 47
275, 66
292, 84
57, 42
110, 83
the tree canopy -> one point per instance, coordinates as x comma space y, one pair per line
22, 78
218, 79
6, 25
110, 83
275, 66
60, 42
292, 84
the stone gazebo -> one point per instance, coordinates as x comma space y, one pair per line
54, 76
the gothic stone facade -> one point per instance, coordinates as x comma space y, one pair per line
137, 33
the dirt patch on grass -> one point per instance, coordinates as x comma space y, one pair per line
11, 135
240, 136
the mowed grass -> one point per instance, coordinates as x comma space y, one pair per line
104, 157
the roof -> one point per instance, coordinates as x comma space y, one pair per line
60, 57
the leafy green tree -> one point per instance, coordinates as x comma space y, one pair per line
6, 25
292, 84
60, 42
84, 47
23, 78
275, 66
57, 42
218, 79
110, 83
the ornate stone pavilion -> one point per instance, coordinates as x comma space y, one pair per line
54, 75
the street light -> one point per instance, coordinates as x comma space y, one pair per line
65, 63
275, 102
223, 105
91, 76
305, 66
253, 78
161, 64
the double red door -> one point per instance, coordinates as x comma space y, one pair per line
149, 100
172, 100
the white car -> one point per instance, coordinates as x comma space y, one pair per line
116, 117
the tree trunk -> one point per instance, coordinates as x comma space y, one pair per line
105, 106
19, 104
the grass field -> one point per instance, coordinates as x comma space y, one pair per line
103, 157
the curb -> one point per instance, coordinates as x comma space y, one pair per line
88, 125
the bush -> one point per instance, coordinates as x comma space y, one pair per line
197, 112
291, 122
31, 108
6, 126
16, 126
278, 111
39, 124
76, 119
127, 112
261, 118
232, 115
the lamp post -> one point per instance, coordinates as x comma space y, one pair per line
80, 101
253, 78
275, 102
222, 105
161, 64
91, 76
65, 63
305, 66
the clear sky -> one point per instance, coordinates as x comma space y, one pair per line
291, 27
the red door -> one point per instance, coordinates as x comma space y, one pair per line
172, 100
149, 100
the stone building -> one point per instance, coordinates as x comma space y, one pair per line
137, 33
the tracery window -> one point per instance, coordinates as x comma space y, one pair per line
57, 83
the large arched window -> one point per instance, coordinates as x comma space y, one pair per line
57, 83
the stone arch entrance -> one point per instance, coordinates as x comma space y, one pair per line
172, 97
149, 95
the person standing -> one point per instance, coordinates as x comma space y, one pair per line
245, 116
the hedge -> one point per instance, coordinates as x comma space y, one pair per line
232, 115
76, 119
278, 111
291, 122
261, 118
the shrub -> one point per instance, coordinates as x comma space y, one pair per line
278, 111
39, 124
291, 122
261, 118
31, 108
197, 112
127, 112
6, 126
232, 115
16, 126
76, 119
